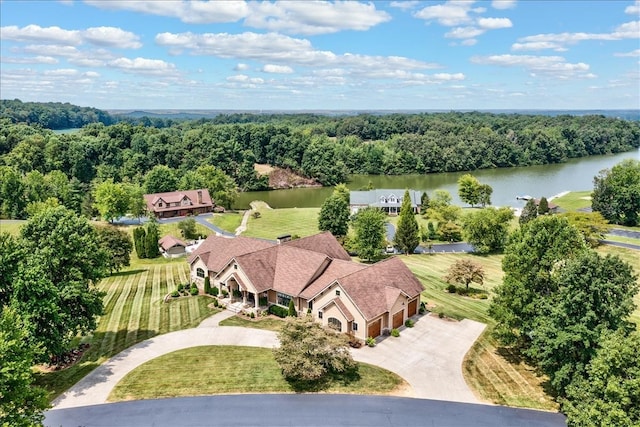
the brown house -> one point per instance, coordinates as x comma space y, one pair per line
179, 203
317, 274
172, 247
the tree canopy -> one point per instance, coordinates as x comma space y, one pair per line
616, 193
334, 215
369, 230
487, 229
465, 271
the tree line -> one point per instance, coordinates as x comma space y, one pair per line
52, 115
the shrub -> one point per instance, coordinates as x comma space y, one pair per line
409, 323
216, 303
462, 291
441, 315
256, 215
451, 289
180, 287
422, 310
262, 301
175, 294
483, 296
292, 309
252, 315
395, 332
225, 293
237, 293
194, 290
215, 291
278, 311
207, 285
371, 342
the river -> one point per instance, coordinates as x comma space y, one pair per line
507, 183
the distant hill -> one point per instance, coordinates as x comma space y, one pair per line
52, 115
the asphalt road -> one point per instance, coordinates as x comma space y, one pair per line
621, 244
625, 233
298, 410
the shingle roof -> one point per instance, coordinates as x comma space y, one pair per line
177, 196
216, 251
343, 308
387, 278
372, 197
324, 243
337, 268
169, 241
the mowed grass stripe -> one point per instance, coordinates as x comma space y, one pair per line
174, 309
156, 299
109, 340
125, 316
145, 332
136, 311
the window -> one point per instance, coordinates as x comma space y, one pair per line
283, 299
383, 199
200, 273
310, 305
354, 326
319, 314
337, 292
335, 324
159, 204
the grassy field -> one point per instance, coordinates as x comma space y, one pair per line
266, 323
227, 221
275, 222
134, 311
234, 370
574, 200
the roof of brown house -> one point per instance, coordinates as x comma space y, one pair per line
168, 241
216, 251
324, 243
177, 196
337, 268
343, 308
385, 278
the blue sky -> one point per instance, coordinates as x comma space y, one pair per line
291, 55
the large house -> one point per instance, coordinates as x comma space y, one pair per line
389, 201
179, 203
317, 274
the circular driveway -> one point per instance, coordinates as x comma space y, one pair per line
428, 356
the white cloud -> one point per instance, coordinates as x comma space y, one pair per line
469, 42
449, 77
633, 9
143, 66
52, 35
112, 37
451, 13
192, 12
537, 46
494, 23
241, 67
100, 36
633, 53
91, 74
319, 17
464, 33
242, 78
554, 66
61, 72
404, 4
628, 30
503, 4
277, 69
40, 59
279, 49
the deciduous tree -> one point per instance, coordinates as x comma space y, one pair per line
160, 179
22, 403
334, 215
117, 245
407, 234
465, 271
308, 352
188, 229
592, 225
111, 199
616, 193
529, 212
369, 229
469, 189
487, 229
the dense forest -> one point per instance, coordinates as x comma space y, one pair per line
326, 148
52, 115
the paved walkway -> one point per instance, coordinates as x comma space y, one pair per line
428, 356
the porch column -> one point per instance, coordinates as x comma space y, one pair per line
244, 297
256, 298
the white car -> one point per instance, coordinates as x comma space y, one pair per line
390, 249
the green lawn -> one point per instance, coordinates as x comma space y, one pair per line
622, 239
230, 369
134, 311
574, 200
267, 323
227, 221
275, 222
11, 226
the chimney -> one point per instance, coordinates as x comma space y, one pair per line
199, 197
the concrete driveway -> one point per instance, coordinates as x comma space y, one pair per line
428, 356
